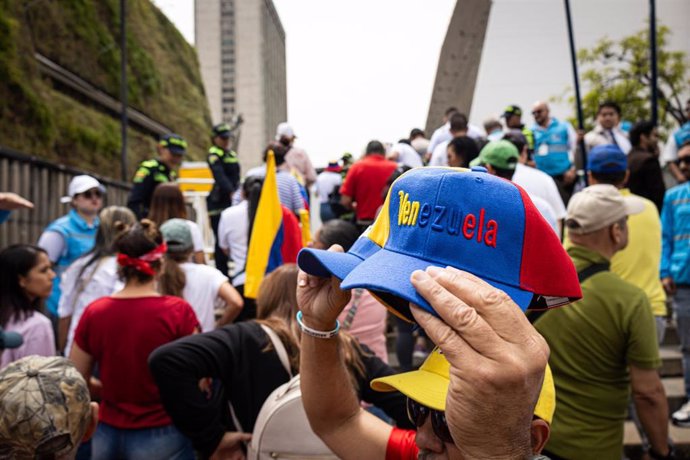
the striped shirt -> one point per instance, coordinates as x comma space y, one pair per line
288, 188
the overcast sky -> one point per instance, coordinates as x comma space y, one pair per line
359, 70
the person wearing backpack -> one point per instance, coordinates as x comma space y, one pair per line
245, 369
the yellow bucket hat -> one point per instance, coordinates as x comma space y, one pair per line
429, 386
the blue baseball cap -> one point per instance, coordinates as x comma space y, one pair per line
607, 158
455, 217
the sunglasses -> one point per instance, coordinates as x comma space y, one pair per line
418, 414
537, 112
682, 160
94, 193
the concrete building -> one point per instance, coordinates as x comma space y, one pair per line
241, 48
458, 63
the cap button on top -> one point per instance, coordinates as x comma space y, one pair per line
32, 373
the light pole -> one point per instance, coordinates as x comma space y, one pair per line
123, 88
576, 81
652, 49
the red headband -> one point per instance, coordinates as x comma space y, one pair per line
143, 263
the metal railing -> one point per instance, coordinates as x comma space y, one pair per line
43, 183
104, 101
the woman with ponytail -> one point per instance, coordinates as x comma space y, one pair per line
199, 284
118, 333
92, 276
235, 230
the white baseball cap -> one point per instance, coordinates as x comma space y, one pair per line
80, 184
284, 130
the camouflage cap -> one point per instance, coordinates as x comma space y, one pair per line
45, 408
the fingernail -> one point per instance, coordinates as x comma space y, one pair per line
302, 282
434, 271
419, 275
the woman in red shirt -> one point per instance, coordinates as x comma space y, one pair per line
119, 332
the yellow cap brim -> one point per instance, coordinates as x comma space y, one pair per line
430, 388
546, 404
427, 388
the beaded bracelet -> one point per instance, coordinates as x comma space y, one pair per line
315, 333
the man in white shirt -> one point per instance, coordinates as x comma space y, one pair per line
457, 127
404, 154
444, 134
418, 141
607, 130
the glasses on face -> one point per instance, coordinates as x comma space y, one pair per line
537, 112
418, 414
93, 193
683, 160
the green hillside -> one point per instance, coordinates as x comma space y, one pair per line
39, 118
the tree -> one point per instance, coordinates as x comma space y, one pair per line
620, 71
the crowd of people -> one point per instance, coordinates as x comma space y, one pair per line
528, 268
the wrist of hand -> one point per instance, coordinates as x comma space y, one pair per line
666, 454
318, 323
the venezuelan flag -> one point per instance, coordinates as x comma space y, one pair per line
263, 254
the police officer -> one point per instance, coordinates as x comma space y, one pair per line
171, 150
225, 166
513, 117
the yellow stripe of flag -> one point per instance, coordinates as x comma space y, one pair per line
267, 222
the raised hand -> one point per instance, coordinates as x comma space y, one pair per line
320, 299
497, 362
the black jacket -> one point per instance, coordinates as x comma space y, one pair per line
225, 166
646, 178
149, 174
233, 356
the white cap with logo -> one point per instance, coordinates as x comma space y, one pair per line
599, 206
80, 184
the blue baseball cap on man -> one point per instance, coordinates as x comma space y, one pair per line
607, 158
454, 217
